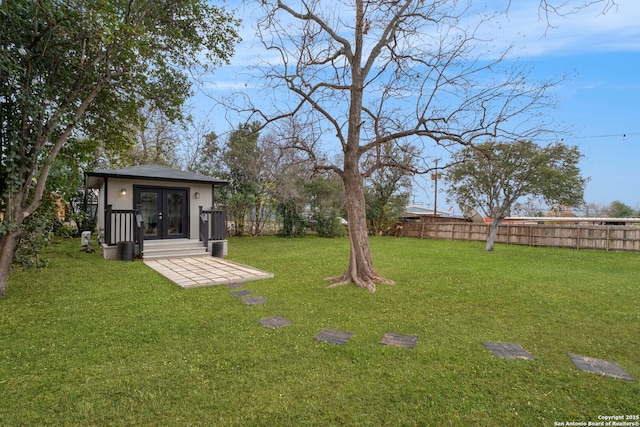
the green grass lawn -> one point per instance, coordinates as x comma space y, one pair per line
95, 342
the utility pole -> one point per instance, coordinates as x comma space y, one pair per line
435, 176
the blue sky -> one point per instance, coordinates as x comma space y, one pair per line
600, 104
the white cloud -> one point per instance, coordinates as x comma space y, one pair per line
225, 86
589, 31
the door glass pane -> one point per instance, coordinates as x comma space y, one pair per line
175, 208
149, 210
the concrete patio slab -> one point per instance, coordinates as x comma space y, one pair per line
205, 271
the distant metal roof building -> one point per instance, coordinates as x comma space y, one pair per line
151, 172
414, 210
573, 219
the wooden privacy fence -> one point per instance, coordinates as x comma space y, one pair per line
597, 237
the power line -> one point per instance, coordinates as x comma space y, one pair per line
619, 135
570, 138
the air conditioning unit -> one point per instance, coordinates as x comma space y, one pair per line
85, 238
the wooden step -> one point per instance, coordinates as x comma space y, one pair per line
173, 248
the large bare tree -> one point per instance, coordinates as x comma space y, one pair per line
418, 75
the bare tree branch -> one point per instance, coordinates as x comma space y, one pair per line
385, 78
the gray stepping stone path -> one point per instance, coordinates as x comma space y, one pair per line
399, 340
600, 367
241, 293
274, 322
504, 350
234, 285
334, 336
254, 300
508, 350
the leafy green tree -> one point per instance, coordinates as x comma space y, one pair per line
289, 174
492, 176
291, 215
264, 178
66, 181
387, 190
326, 205
384, 208
617, 209
64, 194
243, 160
155, 140
85, 68
328, 226
205, 156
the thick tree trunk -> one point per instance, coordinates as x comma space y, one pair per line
8, 245
360, 271
493, 232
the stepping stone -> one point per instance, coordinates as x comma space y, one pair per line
508, 350
234, 285
254, 300
241, 293
334, 336
399, 340
600, 367
274, 322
